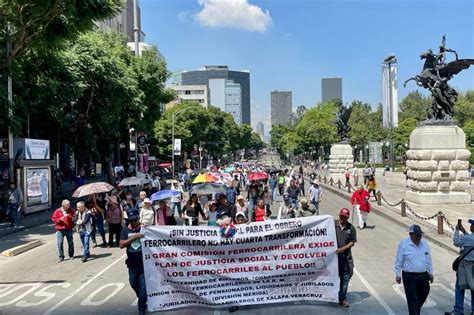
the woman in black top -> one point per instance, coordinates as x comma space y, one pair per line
192, 210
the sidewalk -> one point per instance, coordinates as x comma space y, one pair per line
393, 190
38, 218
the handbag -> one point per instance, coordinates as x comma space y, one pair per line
458, 259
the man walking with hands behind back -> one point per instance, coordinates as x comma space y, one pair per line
413, 264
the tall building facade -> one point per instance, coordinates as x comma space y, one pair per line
261, 130
233, 100
215, 77
281, 107
331, 88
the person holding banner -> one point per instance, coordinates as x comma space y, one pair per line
130, 238
346, 238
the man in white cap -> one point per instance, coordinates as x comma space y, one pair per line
464, 279
413, 264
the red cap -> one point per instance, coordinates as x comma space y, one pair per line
344, 212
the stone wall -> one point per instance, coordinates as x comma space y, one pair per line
438, 166
340, 158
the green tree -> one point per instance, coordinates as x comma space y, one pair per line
414, 105
43, 24
464, 108
316, 128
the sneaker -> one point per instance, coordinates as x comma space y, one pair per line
344, 303
61, 259
94, 245
71, 258
84, 259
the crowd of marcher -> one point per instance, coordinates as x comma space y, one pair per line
245, 200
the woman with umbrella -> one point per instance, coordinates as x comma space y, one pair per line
192, 210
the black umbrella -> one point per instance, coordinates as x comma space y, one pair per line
274, 172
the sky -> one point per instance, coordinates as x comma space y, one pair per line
293, 44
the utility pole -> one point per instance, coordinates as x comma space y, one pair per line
136, 34
10, 114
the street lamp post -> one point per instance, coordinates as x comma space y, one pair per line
172, 136
389, 61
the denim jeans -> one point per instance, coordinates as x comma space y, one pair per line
136, 277
85, 239
294, 202
459, 299
100, 226
344, 277
274, 193
12, 209
60, 234
176, 205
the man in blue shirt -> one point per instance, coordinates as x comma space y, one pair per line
413, 264
465, 242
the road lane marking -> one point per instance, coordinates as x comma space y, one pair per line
374, 293
32, 286
71, 295
42, 293
88, 300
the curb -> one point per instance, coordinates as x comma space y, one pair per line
21, 248
377, 210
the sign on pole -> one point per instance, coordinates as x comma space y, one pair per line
177, 147
264, 262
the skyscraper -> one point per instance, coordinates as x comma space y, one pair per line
215, 77
281, 107
331, 88
261, 130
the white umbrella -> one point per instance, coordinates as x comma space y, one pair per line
132, 181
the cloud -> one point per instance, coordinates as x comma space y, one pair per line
234, 14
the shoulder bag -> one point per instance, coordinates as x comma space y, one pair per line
458, 260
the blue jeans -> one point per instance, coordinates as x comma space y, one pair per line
344, 277
274, 193
176, 205
60, 234
136, 277
12, 209
100, 226
459, 299
294, 202
85, 239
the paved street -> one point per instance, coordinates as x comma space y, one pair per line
33, 283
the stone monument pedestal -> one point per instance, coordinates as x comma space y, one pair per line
438, 164
340, 158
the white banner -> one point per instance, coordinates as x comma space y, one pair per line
36, 149
389, 116
177, 147
265, 262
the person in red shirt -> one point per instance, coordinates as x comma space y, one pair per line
260, 211
360, 201
63, 219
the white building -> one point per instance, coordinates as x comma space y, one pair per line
197, 93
